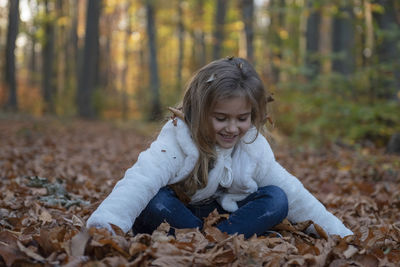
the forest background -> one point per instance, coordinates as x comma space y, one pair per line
332, 66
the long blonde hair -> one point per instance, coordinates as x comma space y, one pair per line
220, 79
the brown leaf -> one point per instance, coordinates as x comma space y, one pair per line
136, 248
213, 234
351, 250
8, 248
321, 232
78, 243
30, 253
45, 217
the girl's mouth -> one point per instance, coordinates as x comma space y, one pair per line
228, 138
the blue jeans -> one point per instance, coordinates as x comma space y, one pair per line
257, 213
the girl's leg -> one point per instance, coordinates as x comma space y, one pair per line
257, 213
165, 206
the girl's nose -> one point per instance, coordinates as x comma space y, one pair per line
232, 127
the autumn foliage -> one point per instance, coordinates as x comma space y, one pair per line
54, 174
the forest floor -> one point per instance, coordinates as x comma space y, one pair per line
53, 174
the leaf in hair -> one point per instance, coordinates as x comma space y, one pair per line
212, 78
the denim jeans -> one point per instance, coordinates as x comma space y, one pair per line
257, 213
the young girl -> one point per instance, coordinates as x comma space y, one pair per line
213, 157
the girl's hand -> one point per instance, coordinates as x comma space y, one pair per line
106, 226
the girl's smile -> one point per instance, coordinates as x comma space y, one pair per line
231, 119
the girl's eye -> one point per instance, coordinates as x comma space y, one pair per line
220, 118
243, 118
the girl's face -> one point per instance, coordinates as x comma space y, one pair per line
231, 118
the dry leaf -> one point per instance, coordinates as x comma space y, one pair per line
45, 217
78, 243
29, 252
350, 251
320, 231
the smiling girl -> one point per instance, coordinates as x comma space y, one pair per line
212, 156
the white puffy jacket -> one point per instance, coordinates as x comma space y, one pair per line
173, 155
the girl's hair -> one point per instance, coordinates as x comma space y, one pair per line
220, 79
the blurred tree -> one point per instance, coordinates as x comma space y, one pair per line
89, 69
48, 89
32, 32
199, 56
72, 45
61, 46
343, 42
153, 66
12, 32
124, 84
247, 8
325, 39
106, 72
181, 43
219, 23
389, 47
312, 37
274, 37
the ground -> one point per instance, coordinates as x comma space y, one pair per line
54, 173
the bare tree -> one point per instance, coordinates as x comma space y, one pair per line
247, 7
312, 40
343, 40
153, 66
219, 23
181, 43
48, 61
388, 49
199, 57
88, 71
12, 32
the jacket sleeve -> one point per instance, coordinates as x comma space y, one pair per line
154, 169
302, 204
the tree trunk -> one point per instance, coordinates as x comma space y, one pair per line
274, 41
48, 61
12, 32
247, 7
219, 28
325, 39
343, 41
32, 65
71, 71
312, 46
199, 57
124, 84
153, 66
61, 51
181, 48
388, 50
88, 72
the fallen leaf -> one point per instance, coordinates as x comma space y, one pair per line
320, 231
45, 217
350, 251
29, 252
78, 243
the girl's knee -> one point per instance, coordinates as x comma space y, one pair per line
279, 197
160, 200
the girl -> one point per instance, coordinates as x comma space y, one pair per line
213, 157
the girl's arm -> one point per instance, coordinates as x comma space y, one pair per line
302, 204
154, 169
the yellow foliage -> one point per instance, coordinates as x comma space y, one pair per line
63, 21
283, 34
239, 25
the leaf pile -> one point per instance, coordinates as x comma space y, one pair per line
53, 175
